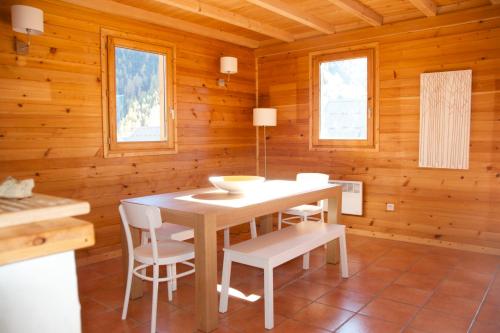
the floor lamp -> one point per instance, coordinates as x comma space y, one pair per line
264, 117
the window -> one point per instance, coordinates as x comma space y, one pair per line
343, 99
140, 101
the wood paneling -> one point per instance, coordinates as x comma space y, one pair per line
460, 206
51, 116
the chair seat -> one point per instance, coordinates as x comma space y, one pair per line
170, 231
169, 252
304, 210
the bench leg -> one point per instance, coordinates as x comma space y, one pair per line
226, 277
226, 238
343, 257
268, 298
305, 261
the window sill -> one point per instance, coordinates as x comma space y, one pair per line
327, 148
114, 154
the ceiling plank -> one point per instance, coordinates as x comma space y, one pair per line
295, 14
223, 15
359, 10
428, 7
115, 8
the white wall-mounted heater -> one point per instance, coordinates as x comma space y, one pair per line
352, 197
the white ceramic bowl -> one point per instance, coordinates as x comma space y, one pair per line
236, 184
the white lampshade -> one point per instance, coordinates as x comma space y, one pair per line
264, 117
229, 65
27, 19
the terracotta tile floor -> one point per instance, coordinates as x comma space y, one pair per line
394, 287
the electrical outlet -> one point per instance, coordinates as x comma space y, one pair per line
390, 207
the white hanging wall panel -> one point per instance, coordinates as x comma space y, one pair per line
445, 113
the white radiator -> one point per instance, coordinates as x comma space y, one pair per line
352, 197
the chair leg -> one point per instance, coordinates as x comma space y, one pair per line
305, 261
144, 241
226, 278
253, 228
305, 258
169, 282
268, 298
344, 267
280, 218
156, 276
322, 216
174, 279
127, 289
227, 242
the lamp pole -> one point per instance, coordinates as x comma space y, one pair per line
265, 153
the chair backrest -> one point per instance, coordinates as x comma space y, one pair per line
142, 216
146, 218
313, 178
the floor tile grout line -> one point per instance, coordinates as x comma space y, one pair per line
454, 268
376, 295
392, 283
483, 300
431, 295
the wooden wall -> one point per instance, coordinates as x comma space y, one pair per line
442, 205
51, 116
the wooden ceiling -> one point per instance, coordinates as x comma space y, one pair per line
255, 23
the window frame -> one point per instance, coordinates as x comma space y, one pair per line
316, 59
112, 148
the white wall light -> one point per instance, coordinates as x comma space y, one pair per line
26, 20
228, 66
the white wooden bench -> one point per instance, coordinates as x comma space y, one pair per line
275, 248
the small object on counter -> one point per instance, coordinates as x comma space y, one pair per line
12, 188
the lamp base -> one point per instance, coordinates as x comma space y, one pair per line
221, 82
22, 48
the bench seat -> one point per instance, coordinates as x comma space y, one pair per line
273, 249
276, 248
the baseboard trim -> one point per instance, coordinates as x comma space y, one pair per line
84, 261
425, 241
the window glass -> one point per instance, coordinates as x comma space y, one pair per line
343, 99
140, 95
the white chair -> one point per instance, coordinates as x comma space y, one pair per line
275, 248
169, 231
167, 252
253, 233
305, 212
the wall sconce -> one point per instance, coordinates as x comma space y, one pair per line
228, 65
27, 20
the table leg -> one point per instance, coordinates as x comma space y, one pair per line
265, 224
205, 242
136, 290
334, 213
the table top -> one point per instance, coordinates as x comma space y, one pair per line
39, 207
270, 197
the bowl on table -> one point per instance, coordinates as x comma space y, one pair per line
236, 184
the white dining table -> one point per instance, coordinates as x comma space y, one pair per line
207, 210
